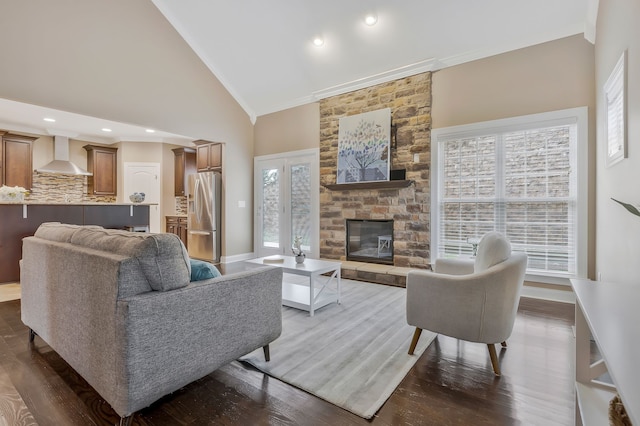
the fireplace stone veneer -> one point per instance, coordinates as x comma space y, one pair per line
407, 206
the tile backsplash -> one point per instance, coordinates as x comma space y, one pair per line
58, 188
181, 205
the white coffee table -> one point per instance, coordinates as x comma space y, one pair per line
318, 292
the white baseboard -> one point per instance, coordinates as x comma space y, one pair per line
237, 257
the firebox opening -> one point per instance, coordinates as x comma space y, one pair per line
370, 241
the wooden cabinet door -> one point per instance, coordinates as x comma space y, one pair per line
178, 171
185, 164
209, 157
177, 225
203, 158
183, 230
172, 225
215, 155
104, 173
102, 162
17, 169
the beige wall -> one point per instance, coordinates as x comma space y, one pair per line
618, 231
121, 60
545, 77
289, 130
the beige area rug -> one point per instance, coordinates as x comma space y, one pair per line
353, 355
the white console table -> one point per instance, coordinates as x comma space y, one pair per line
610, 312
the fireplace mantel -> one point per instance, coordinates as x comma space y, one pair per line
383, 184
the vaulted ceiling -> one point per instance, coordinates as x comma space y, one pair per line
262, 51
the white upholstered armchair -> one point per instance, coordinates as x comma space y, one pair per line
473, 300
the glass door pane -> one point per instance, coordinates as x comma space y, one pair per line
270, 208
301, 204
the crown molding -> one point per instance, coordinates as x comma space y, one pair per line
384, 77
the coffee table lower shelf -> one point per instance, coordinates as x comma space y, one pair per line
298, 296
312, 292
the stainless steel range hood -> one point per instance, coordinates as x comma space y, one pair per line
61, 163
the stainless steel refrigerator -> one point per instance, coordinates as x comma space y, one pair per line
203, 209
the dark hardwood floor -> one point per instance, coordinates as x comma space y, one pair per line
451, 384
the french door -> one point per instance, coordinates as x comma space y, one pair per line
286, 205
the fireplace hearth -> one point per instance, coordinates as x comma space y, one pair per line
370, 241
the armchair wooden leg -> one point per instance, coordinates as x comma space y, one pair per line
32, 335
504, 344
414, 342
494, 359
265, 349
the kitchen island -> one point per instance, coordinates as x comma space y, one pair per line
19, 220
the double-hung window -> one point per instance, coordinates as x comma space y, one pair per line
525, 177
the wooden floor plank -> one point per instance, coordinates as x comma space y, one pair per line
452, 383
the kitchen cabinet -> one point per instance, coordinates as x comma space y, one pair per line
102, 162
178, 225
22, 220
209, 157
185, 164
16, 152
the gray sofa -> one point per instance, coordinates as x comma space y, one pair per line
120, 309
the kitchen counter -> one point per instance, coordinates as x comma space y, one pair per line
20, 220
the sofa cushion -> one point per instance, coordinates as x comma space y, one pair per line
493, 248
201, 270
162, 257
60, 232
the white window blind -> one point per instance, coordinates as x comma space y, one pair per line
518, 179
614, 90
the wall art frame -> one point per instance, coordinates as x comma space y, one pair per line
364, 147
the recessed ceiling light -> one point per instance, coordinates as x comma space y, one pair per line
106, 130
318, 41
150, 131
370, 19
50, 120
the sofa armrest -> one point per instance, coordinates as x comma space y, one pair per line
173, 338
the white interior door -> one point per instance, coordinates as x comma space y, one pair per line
287, 203
145, 177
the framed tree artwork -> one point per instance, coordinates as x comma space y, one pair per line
363, 147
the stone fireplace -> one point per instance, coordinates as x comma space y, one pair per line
370, 240
404, 204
